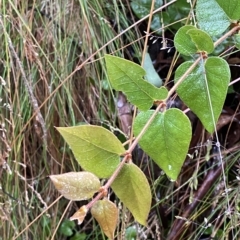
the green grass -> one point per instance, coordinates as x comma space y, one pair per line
42, 46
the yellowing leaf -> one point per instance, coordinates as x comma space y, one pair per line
96, 149
76, 185
80, 214
132, 188
106, 214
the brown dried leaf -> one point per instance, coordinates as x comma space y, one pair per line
124, 113
106, 214
223, 120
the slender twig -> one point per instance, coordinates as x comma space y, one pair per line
229, 33
144, 129
181, 79
43, 212
104, 189
195, 63
60, 221
147, 32
84, 62
145, 48
28, 86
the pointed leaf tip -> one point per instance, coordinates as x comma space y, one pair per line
76, 186
132, 188
96, 149
205, 89
106, 214
127, 77
166, 140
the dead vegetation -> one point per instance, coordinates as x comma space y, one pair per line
41, 86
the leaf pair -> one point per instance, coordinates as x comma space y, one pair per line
104, 211
98, 151
205, 89
78, 186
167, 139
132, 188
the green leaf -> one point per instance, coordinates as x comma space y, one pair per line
211, 18
237, 40
127, 76
175, 12
79, 236
190, 40
66, 228
183, 42
142, 8
106, 214
231, 8
96, 149
151, 76
132, 188
166, 140
76, 186
131, 233
202, 40
212, 75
